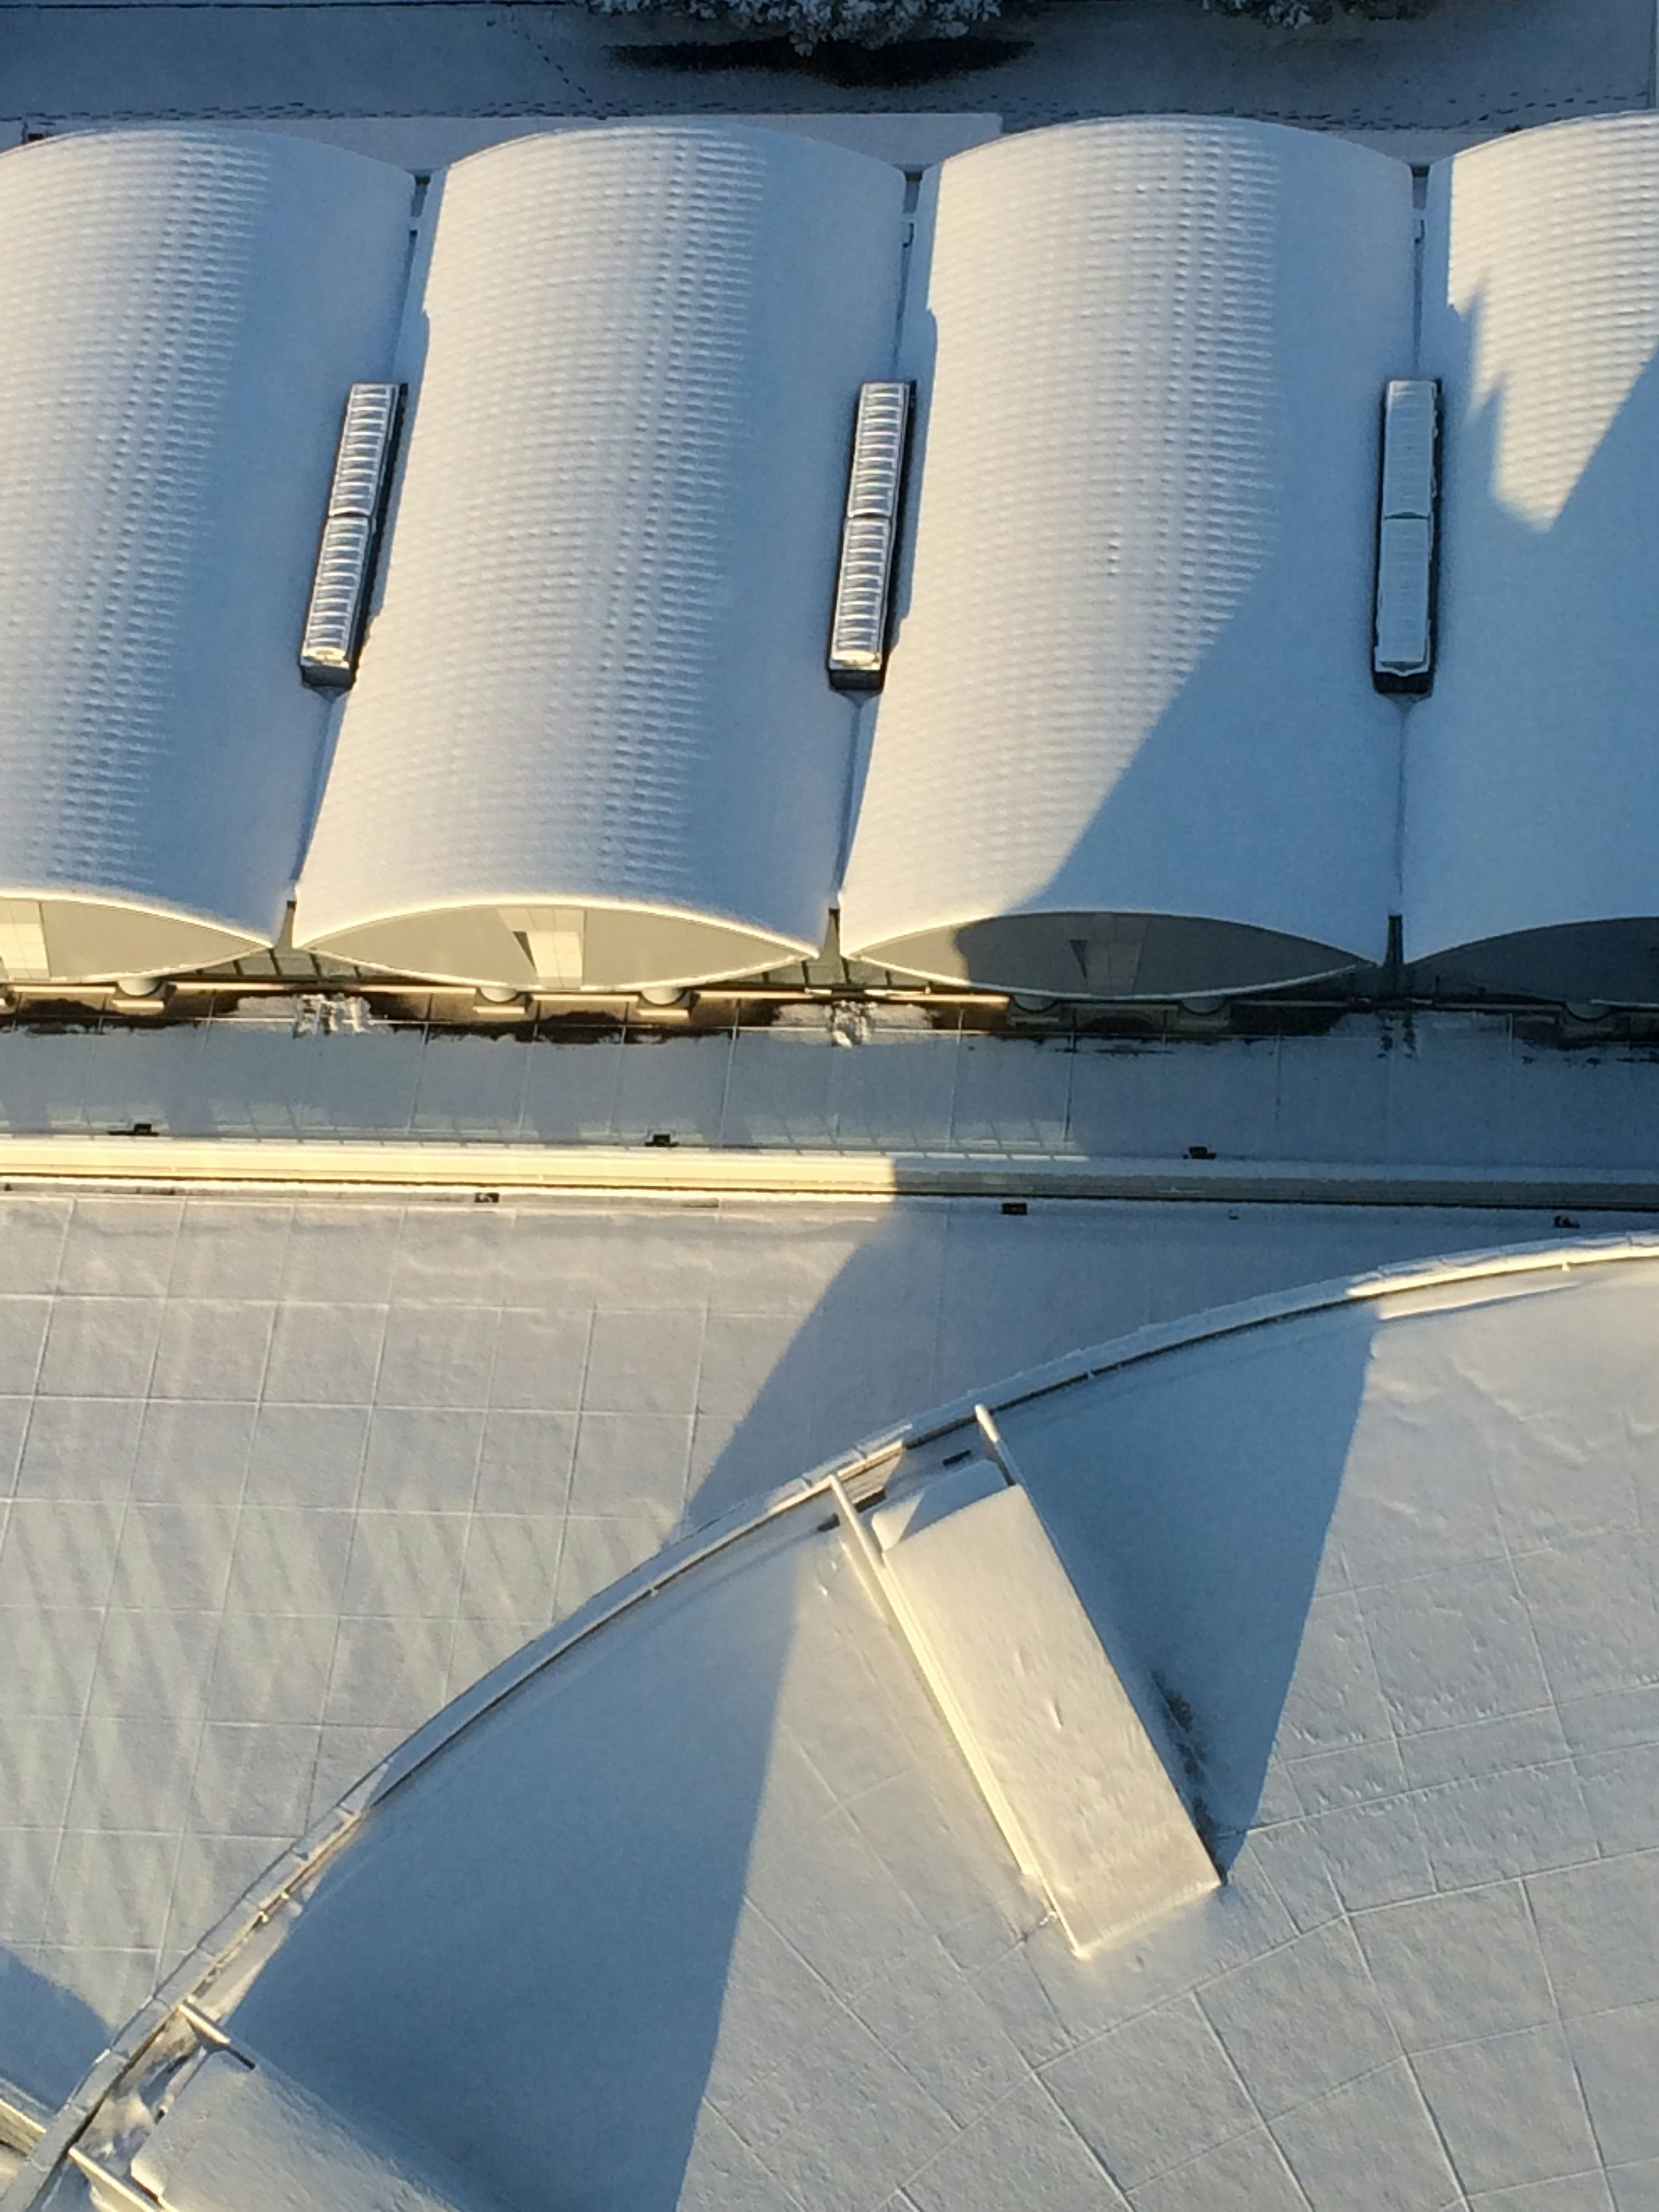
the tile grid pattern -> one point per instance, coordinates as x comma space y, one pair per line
267, 1508
275, 1478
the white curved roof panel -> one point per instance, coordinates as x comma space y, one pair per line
590, 741
180, 314
1129, 696
1532, 770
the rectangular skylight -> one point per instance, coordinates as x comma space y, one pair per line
1402, 657
858, 630
345, 559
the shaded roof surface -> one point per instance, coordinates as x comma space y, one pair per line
1532, 795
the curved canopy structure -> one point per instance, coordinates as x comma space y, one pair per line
1128, 745
1532, 817
591, 742
180, 314
697, 1902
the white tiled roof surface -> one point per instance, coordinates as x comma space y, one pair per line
277, 1478
1130, 672
597, 675
710, 1913
1532, 784
180, 313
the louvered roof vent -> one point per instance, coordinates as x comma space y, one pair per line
1403, 658
858, 632
345, 559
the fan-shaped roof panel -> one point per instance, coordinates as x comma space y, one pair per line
180, 314
1128, 743
1377, 1561
590, 741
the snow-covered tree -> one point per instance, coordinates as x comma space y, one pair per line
810, 23
1295, 14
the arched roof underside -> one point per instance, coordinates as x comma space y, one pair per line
701, 1896
180, 314
1129, 704
591, 742
1532, 823
1614, 963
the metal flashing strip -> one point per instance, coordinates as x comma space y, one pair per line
351, 530
1402, 650
463, 1170
863, 583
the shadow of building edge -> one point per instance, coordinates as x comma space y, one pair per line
558, 1998
1192, 1520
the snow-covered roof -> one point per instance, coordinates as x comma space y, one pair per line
591, 738
1533, 778
697, 1901
1128, 744
180, 313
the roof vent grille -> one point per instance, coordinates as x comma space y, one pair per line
1402, 655
351, 531
875, 483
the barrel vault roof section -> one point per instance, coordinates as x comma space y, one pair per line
180, 312
596, 677
1129, 673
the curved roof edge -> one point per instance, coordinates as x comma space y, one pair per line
1611, 960
573, 942
54, 934
1118, 681
221, 1967
1106, 954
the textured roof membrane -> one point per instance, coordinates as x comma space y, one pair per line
593, 693
1533, 778
1130, 673
181, 312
